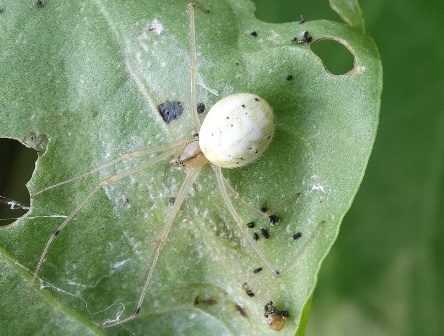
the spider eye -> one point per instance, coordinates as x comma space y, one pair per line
237, 130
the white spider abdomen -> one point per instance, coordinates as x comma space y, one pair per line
237, 130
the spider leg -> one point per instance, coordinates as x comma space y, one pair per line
304, 246
101, 184
193, 67
190, 177
193, 64
165, 147
222, 187
261, 213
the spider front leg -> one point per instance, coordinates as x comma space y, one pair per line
166, 151
170, 147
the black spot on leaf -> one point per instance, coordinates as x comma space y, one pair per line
170, 110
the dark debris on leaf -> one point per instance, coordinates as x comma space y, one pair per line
200, 108
170, 110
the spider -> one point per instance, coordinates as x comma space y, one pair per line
236, 132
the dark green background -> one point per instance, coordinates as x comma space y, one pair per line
385, 273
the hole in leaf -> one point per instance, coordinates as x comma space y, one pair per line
16, 167
337, 59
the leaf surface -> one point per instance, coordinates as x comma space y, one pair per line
82, 82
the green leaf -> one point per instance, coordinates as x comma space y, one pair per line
350, 12
81, 83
